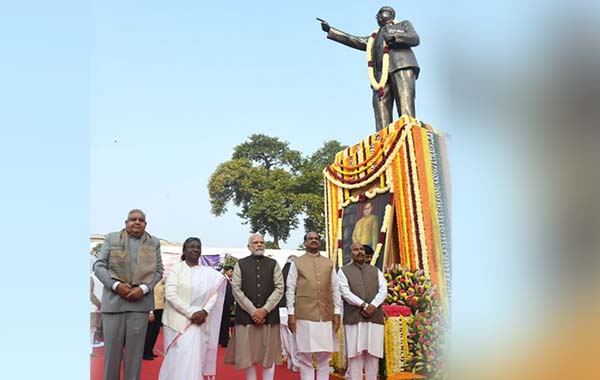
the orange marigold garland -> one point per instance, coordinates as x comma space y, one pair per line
422, 154
413, 261
406, 159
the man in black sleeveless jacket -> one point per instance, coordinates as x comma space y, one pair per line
257, 287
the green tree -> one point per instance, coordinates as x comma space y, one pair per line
312, 188
96, 249
228, 261
268, 153
272, 185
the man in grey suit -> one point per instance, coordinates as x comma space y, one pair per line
403, 68
129, 266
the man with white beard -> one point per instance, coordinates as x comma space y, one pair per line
257, 287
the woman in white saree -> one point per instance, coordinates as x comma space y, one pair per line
192, 317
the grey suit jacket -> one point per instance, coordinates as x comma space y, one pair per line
111, 301
401, 54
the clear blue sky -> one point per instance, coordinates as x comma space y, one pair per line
174, 87
111, 105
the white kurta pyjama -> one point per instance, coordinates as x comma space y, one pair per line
313, 336
364, 336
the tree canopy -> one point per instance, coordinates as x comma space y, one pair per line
273, 186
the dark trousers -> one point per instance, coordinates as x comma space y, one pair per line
224, 331
152, 332
399, 88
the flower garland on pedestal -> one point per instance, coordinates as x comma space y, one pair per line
407, 159
338, 361
396, 351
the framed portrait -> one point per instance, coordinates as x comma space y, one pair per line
362, 222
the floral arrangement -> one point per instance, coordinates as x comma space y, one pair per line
425, 328
406, 159
426, 343
395, 329
409, 288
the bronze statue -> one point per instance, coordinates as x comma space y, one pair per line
389, 48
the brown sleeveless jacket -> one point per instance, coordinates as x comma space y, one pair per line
314, 293
364, 283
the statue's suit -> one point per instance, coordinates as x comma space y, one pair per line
403, 69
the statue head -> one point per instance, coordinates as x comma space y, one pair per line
385, 16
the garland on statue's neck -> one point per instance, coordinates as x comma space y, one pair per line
378, 86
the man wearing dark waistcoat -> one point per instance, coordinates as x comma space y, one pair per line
257, 287
363, 289
314, 306
129, 266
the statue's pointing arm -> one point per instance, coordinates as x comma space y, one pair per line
337, 35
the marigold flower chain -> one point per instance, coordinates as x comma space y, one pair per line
366, 164
385, 64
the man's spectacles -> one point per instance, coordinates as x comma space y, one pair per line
141, 220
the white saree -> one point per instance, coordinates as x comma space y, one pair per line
192, 355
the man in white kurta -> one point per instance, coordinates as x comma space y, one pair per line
314, 307
288, 340
363, 290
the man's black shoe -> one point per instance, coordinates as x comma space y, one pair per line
148, 357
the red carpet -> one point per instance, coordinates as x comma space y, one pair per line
150, 368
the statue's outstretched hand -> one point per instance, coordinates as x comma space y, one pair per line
324, 25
